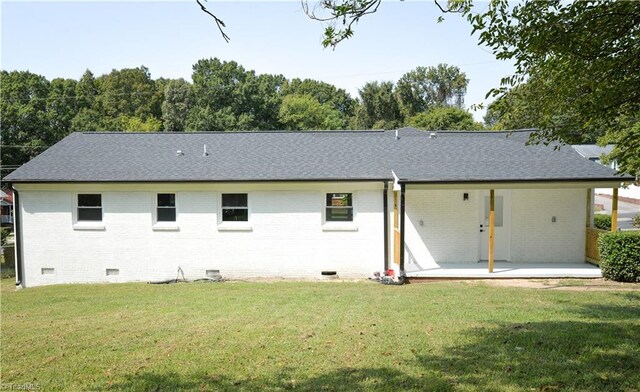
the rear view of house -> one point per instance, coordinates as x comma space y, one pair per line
115, 207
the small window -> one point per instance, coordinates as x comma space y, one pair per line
166, 207
235, 207
339, 207
497, 208
89, 208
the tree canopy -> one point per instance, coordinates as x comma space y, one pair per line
445, 118
304, 112
577, 64
224, 96
579, 60
427, 87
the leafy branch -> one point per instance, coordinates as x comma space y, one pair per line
347, 13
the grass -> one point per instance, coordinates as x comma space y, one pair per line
319, 336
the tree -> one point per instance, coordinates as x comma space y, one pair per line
266, 100
25, 126
127, 92
88, 120
427, 87
136, 124
229, 98
178, 99
580, 61
304, 112
324, 93
445, 118
62, 106
512, 111
379, 107
86, 91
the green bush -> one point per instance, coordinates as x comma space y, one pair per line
620, 256
4, 233
602, 221
636, 221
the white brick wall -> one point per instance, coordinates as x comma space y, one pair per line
535, 238
286, 238
449, 232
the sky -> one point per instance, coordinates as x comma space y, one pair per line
63, 39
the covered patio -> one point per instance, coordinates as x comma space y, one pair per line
504, 270
424, 252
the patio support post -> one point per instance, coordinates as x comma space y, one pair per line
491, 227
588, 222
614, 210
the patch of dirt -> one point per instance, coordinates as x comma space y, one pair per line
562, 284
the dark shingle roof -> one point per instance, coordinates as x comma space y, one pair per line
307, 156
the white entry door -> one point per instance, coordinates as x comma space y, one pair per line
502, 237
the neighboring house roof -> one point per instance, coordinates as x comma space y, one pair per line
592, 151
307, 156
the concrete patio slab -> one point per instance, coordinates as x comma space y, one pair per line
506, 270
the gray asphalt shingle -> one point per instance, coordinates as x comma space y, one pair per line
306, 156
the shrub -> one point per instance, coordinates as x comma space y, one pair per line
636, 221
602, 221
620, 256
4, 233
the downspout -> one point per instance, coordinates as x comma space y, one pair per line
402, 189
385, 208
17, 224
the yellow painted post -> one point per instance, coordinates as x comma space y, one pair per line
588, 224
491, 227
614, 210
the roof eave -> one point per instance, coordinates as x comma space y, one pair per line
159, 181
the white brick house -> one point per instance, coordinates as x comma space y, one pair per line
114, 207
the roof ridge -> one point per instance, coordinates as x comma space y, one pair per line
524, 130
232, 132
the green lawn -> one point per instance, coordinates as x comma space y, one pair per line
319, 336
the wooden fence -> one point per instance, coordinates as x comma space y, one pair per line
591, 249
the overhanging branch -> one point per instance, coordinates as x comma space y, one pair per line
219, 21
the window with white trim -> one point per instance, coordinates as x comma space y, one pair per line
235, 207
89, 207
166, 207
339, 207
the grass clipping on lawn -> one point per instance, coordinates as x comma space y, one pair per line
319, 336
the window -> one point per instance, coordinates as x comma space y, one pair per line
235, 207
339, 207
166, 207
497, 208
89, 208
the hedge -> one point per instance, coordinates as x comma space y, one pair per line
620, 256
602, 221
